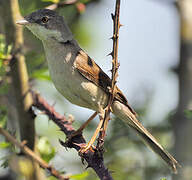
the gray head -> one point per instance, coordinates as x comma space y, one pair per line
46, 25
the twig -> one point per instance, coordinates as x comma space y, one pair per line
18, 71
67, 3
93, 159
31, 154
61, 4
115, 66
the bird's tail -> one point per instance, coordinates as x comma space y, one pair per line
121, 111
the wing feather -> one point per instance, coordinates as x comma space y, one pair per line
91, 71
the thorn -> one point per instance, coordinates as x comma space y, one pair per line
112, 16
62, 143
112, 37
88, 166
120, 25
110, 54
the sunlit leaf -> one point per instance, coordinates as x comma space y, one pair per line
53, 1
41, 74
4, 145
52, 178
80, 176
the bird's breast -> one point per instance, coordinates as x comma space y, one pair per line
71, 84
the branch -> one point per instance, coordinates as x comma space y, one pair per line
61, 4
31, 154
114, 70
14, 36
93, 159
80, 6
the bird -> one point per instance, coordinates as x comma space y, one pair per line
80, 80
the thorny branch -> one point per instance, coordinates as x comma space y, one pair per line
94, 159
115, 66
31, 154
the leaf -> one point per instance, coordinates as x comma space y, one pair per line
188, 114
80, 176
47, 151
53, 1
4, 145
41, 74
84, 1
52, 178
5, 164
3, 116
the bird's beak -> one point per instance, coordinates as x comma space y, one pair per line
22, 22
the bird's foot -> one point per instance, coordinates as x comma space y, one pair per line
86, 147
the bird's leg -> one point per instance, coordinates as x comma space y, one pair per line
102, 133
88, 146
83, 126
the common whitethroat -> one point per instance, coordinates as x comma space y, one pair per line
79, 79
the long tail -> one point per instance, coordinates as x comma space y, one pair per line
121, 111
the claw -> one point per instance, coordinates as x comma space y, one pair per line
86, 148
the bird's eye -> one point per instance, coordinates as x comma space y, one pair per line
45, 19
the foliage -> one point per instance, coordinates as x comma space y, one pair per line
82, 176
4, 61
52, 1
188, 114
3, 116
46, 151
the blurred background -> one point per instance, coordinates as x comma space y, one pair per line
155, 74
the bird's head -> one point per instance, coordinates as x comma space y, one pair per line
47, 24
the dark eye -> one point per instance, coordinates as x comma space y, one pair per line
45, 19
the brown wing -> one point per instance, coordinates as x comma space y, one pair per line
91, 71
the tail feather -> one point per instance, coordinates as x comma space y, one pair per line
124, 113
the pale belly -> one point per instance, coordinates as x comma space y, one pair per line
78, 90
69, 82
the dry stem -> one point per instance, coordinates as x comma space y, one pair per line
31, 154
115, 66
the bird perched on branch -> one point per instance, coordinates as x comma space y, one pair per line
79, 79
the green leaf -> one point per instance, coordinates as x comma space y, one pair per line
188, 114
163, 179
5, 164
84, 1
53, 1
4, 145
41, 74
52, 178
4, 89
47, 151
3, 116
80, 176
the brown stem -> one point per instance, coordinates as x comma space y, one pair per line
14, 36
115, 66
31, 154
